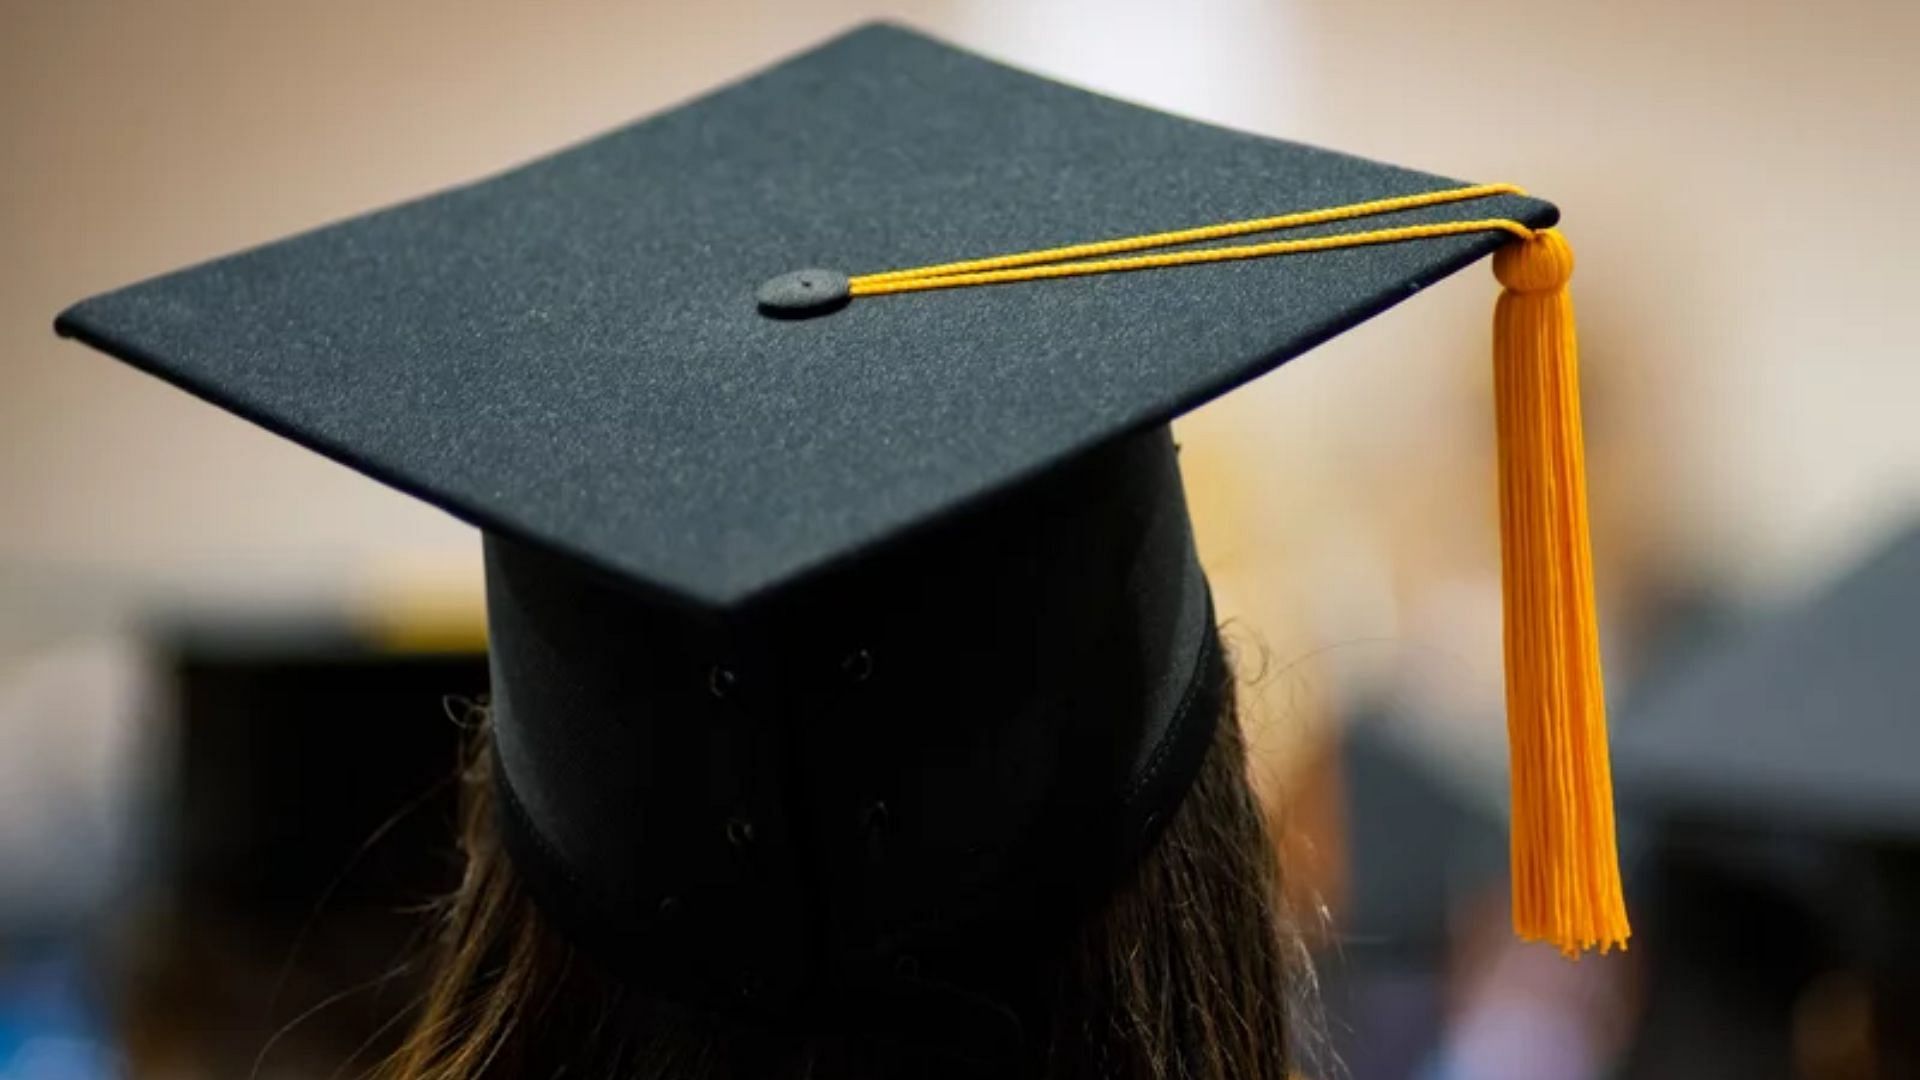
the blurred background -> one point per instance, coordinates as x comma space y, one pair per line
200, 625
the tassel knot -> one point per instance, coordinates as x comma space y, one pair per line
1543, 263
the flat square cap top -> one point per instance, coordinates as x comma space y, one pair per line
571, 352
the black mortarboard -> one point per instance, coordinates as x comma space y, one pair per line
1775, 780
1809, 723
816, 640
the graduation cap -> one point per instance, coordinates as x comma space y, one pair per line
836, 605
1776, 775
1805, 724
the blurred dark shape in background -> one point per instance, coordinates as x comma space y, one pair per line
1769, 789
301, 825
1778, 781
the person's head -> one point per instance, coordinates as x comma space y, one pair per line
1190, 968
978, 799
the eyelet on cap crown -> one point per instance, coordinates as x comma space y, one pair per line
740, 832
857, 666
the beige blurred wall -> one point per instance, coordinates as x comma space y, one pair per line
1738, 179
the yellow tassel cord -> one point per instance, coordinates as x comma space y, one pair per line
1053, 262
1566, 869
1566, 873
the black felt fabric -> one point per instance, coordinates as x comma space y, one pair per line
571, 353
942, 754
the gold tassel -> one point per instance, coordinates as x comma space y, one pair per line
1566, 867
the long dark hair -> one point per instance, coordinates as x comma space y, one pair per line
1192, 969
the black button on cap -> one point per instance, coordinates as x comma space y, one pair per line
802, 293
